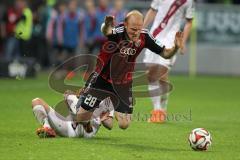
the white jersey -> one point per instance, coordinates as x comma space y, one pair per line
168, 20
67, 128
170, 15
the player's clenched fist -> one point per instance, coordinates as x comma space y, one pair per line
109, 20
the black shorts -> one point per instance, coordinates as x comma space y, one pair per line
97, 89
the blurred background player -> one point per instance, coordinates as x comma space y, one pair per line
168, 16
65, 33
102, 10
89, 25
72, 33
118, 11
94, 38
23, 30
8, 25
55, 32
90, 28
55, 124
17, 29
73, 28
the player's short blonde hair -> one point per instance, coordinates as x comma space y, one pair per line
135, 13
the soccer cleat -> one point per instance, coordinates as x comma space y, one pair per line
45, 132
158, 116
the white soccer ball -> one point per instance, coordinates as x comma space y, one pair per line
200, 139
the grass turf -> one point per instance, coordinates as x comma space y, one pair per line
209, 102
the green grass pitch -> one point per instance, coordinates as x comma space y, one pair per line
214, 103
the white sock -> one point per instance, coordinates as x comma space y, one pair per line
155, 96
41, 115
46, 123
164, 101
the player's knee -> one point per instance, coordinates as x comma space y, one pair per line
37, 101
153, 78
107, 124
123, 125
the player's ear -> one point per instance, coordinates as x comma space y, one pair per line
125, 24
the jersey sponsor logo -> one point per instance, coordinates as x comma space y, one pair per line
112, 47
128, 51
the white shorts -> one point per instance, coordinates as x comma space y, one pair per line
62, 126
153, 58
65, 127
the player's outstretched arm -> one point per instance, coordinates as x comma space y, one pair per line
166, 53
169, 52
186, 33
108, 25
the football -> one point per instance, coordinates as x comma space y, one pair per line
200, 139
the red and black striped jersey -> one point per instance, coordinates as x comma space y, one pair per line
117, 56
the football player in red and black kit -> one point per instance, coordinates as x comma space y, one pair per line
115, 65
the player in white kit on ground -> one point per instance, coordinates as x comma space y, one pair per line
55, 124
167, 17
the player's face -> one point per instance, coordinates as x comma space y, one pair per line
133, 28
73, 5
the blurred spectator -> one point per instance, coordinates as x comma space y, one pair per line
73, 28
89, 30
55, 33
118, 11
23, 29
73, 33
89, 25
1, 29
8, 25
102, 10
51, 3
38, 42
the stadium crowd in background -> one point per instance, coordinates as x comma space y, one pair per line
48, 16
53, 30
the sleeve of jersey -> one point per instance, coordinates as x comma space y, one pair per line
154, 4
190, 9
151, 44
115, 33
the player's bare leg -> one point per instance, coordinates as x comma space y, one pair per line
164, 97
40, 109
157, 74
106, 109
123, 119
107, 120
